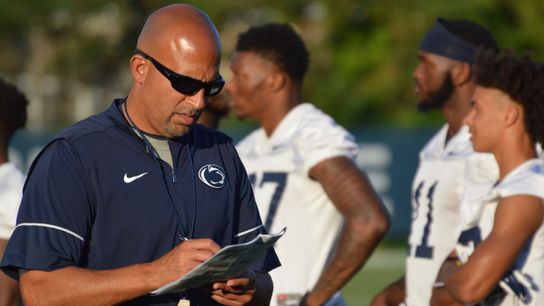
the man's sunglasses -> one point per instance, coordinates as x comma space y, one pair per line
184, 84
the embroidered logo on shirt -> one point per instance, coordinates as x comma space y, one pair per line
131, 179
212, 175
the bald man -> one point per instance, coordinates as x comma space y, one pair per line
133, 198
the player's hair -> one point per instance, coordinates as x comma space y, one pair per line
278, 43
471, 32
521, 78
12, 111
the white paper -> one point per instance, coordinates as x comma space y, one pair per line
231, 261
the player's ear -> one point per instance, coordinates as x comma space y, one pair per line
138, 68
461, 74
277, 80
513, 114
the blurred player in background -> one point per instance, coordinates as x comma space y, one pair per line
216, 108
12, 117
301, 166
505, 223
443, 81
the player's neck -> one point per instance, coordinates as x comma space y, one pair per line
279, 108
273, 118
454, 120
455, 110
508, 159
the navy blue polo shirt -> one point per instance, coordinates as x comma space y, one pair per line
96, 198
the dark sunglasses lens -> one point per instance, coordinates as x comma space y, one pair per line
215, 88
186, 86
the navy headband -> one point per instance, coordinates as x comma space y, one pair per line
441, 41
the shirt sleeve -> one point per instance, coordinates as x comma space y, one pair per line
10, 198
55, 214
322, 138
481, 173
249, 221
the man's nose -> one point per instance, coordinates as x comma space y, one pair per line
468, 120
416, 73
198, 99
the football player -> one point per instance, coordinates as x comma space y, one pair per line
443, 81
502, 245
301, 165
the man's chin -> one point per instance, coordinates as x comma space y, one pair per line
176, 132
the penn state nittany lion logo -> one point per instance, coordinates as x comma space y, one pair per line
212, 175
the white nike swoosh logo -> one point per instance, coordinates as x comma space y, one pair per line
132, 178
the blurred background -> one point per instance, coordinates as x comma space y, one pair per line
71, 60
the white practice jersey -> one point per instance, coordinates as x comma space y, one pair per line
11, 188
278, 167
478, 213
436, 196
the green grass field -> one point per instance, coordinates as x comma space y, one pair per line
385, 266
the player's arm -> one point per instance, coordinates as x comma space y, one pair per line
9, 289
366, 222
517, 218
440, 295
392, 295
78, 286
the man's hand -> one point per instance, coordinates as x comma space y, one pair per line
392, 295
236, 291
182, 259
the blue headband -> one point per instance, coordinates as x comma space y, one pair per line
440, 41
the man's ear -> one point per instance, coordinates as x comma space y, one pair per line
461, 74
138, 68
276, 80
513, 114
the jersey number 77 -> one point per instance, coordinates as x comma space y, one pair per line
280, 180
